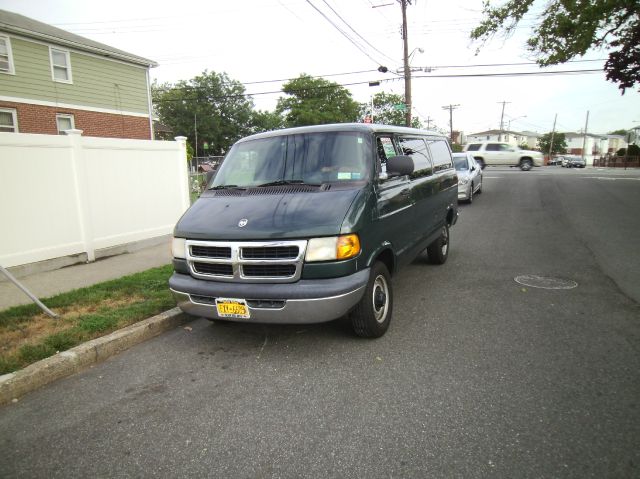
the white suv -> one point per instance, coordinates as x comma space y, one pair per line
502, 154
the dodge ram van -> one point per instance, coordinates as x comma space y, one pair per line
309, 224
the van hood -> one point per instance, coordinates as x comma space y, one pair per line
267, 216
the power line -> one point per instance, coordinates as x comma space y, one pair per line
575, 72
354, 31
267, 81
351, 40
514, 74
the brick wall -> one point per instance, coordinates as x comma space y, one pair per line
42, 119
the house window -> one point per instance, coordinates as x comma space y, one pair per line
6, 57
8, 120
64, 122
60, 65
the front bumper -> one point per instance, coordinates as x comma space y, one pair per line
302, 302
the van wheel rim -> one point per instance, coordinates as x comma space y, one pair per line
380, 298
445, 241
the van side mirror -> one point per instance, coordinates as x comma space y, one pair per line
400, 165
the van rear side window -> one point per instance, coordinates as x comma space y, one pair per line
441, 155
473, 147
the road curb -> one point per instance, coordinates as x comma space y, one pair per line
74, 360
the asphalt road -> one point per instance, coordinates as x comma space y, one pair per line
478, 376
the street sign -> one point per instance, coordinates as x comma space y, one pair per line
205, 146
400, 107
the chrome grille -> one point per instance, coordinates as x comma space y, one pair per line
211, 251
266, 252
268, 270
213, 269
250, 261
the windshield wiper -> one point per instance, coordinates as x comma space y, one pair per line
223, 187
287, 182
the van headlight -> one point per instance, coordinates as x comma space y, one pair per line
333, 248
463, 181
179, 248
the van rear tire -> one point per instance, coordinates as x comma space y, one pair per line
438, 251
372, 315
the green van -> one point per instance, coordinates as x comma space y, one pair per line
306, 225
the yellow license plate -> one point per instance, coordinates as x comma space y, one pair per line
232, 308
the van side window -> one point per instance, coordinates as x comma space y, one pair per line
385, 150
416, 148
441, 155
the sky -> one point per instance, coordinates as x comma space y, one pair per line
259, 41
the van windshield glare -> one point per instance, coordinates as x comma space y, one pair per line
311, 158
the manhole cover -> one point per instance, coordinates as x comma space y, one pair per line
545, 282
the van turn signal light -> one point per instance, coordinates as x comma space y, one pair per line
348, 246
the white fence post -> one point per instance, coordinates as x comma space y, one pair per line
183, 173
80, 183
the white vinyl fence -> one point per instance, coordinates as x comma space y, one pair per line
68, 195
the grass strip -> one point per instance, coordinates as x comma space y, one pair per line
27, 335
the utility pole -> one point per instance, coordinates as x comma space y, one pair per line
584, 138
450, 108
195, 127
502, 119
429, 120
553, 133
407, 70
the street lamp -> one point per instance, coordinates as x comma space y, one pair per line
514, 119
413, 52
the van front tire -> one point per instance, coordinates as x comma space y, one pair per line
372, 315
438, 251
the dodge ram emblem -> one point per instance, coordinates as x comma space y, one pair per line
243, 222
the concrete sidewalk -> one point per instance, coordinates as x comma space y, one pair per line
49, 283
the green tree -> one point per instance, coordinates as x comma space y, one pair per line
559, 143
316, 101
618, 132
212, 101
266, 121
385, 112
567, 29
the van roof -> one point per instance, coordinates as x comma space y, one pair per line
338, 127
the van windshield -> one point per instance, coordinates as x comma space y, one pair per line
311, 158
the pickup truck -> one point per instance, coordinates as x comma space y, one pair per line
502, 154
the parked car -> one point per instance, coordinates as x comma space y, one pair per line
555, 160
469, 176
502, 154
564, 160
576, 162
308, 224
